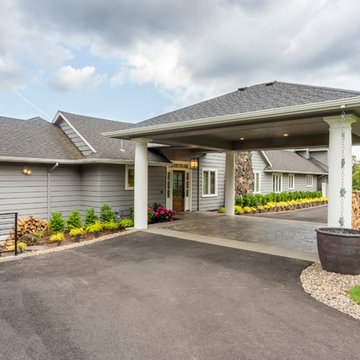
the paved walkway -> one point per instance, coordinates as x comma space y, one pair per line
298, 236
145, 296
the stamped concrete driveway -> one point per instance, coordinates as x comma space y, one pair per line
143, 296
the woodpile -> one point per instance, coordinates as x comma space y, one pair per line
356, 210
29, 225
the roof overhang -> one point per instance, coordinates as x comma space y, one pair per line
263, 129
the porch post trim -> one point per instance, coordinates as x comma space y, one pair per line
335, 170
141, 184
230, 183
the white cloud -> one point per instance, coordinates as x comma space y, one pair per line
68, 78
10, 74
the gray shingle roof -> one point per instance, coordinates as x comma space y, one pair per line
253, 98
289, 161
36, 138
91, 129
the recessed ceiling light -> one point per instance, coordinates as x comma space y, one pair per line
242, 138
286, 134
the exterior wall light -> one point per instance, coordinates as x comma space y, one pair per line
26, 171
194, 163
242, 139
286, 134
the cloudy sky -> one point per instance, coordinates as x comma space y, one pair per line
132, 59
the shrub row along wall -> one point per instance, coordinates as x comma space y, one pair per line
356, 209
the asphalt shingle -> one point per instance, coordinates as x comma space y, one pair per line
254, 98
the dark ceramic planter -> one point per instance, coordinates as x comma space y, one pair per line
339, 250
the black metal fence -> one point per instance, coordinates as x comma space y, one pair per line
9, 216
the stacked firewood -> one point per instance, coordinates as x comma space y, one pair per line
356, 210
29, 225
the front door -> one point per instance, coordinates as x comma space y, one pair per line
178, 190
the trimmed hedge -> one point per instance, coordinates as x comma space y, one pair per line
258, 199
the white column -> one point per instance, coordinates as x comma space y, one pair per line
230, 183
141, 184
335, 170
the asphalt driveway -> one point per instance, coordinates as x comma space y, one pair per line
146, 296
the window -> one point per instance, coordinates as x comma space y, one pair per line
276, 183
129, 177
209, 183
291, 184
256, 182
309, 180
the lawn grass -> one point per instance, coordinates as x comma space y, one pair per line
355, 293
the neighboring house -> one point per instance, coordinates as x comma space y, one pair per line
289, 170
73, 166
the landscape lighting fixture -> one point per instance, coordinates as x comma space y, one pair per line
286, 134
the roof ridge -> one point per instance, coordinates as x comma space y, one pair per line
94, 117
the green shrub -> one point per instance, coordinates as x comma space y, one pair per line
354, 294
106, 213
90, 217
222, 210
56, 223
58, 237
125, 223
76, 232
94, 228
260, 200
74, 220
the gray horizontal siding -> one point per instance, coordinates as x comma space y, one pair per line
27, 195
259, 165
321, 156
74, 137
113, 192
210, 161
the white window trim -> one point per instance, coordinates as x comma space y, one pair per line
259, 173
127, 167
312, 180
216, 183
293, 176
281, 182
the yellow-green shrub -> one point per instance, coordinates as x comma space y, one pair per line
125, 223
76, 232
94, 228
110, 225
239, 209
20, 247
222, 210
58, 237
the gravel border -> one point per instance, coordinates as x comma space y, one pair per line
66, 247
331, 288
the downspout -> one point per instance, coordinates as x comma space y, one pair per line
49, 189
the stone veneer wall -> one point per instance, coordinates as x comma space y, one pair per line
244, 176
356, 210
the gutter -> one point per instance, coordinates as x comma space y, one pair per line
295, 172
268, 114
49, 189
74, 162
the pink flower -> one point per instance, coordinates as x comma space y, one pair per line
156, 213
162, 212
167, 211
159, 208
167, 217
174, 212
171, 219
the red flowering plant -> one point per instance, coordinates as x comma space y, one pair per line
157, 213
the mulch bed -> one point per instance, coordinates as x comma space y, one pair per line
45, 242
